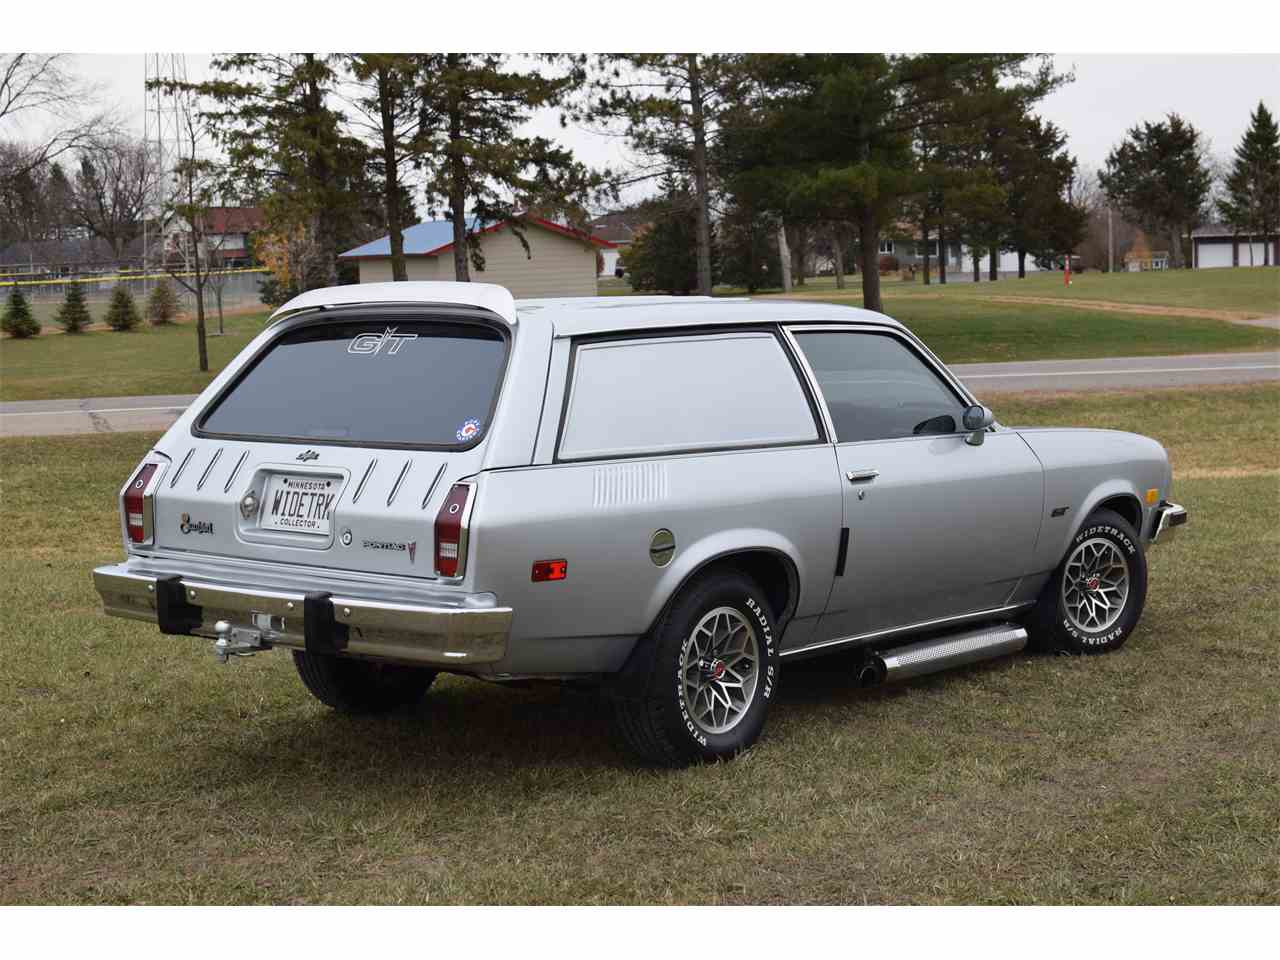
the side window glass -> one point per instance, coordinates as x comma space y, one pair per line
877, 388
632, 397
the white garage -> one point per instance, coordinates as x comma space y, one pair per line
1213, 254
1217, 245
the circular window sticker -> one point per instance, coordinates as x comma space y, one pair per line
468, 431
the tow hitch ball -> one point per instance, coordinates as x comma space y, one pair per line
236, 641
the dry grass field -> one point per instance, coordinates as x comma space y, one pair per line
134, 769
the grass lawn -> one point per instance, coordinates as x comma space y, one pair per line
961, 330
1250, 290
103, 363
135, 769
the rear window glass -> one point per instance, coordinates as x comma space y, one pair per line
373, 382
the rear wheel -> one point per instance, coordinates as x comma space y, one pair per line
1094, 599
711, 671
361, 686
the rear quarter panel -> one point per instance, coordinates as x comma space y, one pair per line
600, 517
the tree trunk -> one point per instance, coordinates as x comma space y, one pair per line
837, 256
977, 264
797, 255
993, 264
218, 294
202, 346
391, 174
318, 168
458, 198
1022, 264
700, 188
869, 253
942, 252
784, 255
924, 232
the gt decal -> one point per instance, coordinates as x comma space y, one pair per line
371, 344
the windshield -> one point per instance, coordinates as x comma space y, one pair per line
429, 384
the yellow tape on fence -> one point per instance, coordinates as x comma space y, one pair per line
118, 277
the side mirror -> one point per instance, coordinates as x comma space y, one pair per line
976, 420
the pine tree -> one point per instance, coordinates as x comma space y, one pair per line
665, 256
74, 312
669, 105
162, 304
830, 137
19, 322
482, 171
1252, 202
275, 117
1158, 178
122, 313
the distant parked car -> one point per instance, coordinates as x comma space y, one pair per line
668, 498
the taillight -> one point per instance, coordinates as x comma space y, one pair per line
451, 532
136, 520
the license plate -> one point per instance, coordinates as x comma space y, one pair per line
299, 504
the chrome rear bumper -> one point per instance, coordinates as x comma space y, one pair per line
1169, 518
471, 629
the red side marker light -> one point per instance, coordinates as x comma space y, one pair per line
550, 570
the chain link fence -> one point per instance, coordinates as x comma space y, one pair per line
238, 288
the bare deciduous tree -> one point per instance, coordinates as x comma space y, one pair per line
42, 87
113, 189
196, 188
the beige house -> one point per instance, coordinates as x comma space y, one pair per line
560, 262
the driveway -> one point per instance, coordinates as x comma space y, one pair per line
118, 414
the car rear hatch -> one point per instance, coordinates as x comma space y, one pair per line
337, 443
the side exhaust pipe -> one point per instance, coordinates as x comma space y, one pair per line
942, 653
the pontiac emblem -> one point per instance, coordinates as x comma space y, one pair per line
308, 455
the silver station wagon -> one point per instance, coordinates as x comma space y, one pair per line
669, 498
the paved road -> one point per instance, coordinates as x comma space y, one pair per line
113, 414
96, 415
1119, 372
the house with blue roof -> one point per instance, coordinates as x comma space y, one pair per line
559, 261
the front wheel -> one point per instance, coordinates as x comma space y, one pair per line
1094, 599
361, 686
712, 670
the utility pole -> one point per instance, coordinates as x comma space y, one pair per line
1111, 242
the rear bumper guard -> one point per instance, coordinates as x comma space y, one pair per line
319, 622
1169, 519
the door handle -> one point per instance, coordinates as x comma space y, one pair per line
862, 476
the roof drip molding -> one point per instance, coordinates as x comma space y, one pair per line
486, 296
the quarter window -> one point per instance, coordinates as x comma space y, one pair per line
877, 388
683, 393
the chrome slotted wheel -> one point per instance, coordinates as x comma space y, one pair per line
719, 667
1095, 585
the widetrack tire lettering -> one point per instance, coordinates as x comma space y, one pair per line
1118, 631
768, 674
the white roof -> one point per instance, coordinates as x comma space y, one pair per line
576, 316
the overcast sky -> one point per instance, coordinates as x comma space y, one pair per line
1111, 92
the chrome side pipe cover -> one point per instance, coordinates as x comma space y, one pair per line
942, 653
